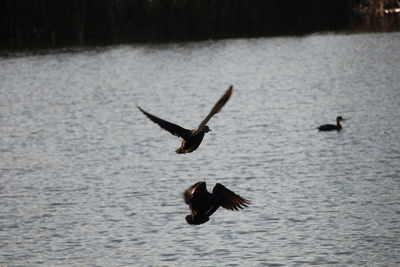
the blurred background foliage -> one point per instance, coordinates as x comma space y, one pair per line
29, 23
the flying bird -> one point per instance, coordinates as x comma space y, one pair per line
332, 127
203, 203
191, 138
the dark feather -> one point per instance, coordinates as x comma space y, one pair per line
332, 127
203, 204
168, 126
191, 138
328, 127
230, 200
217, 108
188, 194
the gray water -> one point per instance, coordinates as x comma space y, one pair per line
87, 180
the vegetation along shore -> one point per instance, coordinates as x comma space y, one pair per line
25, 24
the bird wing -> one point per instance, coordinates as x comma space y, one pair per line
230, 200
168, 126
217, 108
196, 196
188, 194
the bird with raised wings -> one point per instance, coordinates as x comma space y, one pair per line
191, 138
203, 203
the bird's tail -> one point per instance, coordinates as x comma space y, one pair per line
183, 150
180, 150
190, 219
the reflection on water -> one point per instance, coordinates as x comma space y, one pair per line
87, 180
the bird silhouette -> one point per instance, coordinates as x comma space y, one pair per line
203, 203
191, 138
332, 127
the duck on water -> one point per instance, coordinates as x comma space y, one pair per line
332, 127
191, 138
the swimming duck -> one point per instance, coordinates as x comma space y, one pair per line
332, 127
203, 203
191, 138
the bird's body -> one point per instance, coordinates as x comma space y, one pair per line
203, 203
191, 138
191, 144
332, 127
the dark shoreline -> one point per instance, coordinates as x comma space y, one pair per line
49, 24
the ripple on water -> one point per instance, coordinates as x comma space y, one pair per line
86, 179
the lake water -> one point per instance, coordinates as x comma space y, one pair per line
87, 180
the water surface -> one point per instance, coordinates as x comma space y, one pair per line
86, 179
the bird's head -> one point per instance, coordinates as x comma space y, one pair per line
207, 129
